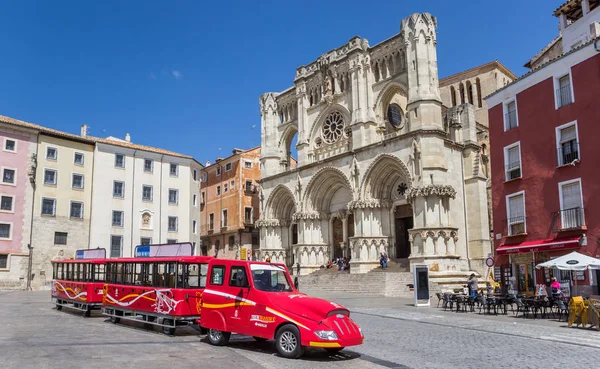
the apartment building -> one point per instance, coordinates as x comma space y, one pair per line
62, 202
230, 205
544, 149
143, 195
62, 192
17, 157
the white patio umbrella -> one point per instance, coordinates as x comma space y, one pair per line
572, 261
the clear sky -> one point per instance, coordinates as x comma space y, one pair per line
187, 75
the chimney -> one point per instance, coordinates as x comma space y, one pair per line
127, 137
84, 130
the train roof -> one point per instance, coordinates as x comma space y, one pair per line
83, 261
162, 259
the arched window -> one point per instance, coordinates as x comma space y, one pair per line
453, 95
478, 86
470, 92
333, 127
462, 93
394, 115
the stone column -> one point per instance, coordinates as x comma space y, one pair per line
369, 90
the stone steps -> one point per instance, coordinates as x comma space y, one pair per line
384, 283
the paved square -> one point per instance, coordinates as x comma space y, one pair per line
35, 335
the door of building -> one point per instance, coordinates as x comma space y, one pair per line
338, 237
402, 242
525, 282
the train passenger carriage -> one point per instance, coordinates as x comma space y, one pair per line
78, 283
163, 291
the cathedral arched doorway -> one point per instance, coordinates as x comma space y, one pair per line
403, 221
329, 192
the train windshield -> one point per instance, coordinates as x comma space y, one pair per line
270, 278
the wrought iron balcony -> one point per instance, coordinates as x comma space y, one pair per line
563, 96
568, 153
568, 219
511, 119
516, 225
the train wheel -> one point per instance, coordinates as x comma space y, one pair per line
115, 319
87, 311
58, 307
169, 331
287, 342
218, 338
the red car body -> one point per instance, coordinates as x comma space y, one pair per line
258, 310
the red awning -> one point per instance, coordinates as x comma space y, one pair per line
551, 244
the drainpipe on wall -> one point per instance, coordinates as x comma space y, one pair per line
596, 45
30, 261
462, 168
160, 201
92, 201
132, 202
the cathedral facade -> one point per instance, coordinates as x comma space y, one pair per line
382, 166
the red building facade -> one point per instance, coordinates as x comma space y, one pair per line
545, 149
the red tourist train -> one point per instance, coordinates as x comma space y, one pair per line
256, 299
78, 283
161, 286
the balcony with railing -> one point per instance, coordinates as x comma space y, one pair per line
511, 119
568, 153
563, 96
569, 219
516, 226
513, 171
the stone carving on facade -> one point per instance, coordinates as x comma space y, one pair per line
146, 219
268, 103
354, 174
430, 190
31, 172
369, 204
310, 215
298, 188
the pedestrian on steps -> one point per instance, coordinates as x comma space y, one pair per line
383, 260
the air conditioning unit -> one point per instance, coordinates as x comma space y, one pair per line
595, 30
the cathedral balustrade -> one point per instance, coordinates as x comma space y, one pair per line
311, 257
433, 242
275, 255
327, 151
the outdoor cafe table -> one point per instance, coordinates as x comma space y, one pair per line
498, 300
461, 298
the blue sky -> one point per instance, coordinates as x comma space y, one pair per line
186, 75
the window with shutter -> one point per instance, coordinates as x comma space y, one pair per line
513, 163
516, 214
569, 148
571, 209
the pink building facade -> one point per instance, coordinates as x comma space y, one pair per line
17, 155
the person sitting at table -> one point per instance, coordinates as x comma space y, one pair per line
472, 284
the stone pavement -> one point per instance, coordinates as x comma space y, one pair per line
34, 335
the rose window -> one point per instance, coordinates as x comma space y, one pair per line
333, 128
